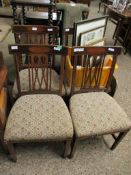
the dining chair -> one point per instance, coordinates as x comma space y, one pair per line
68, 41
3, 99
34, 34
68, 36
93, 111
39, 113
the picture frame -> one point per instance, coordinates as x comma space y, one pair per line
122, 5
100, 42
115, 3
88, 25
92, 36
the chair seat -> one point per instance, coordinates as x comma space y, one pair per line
97, 114
24, 79
39, 117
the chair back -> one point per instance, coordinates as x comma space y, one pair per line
68, 36
93, 68
3, 92
39, 68
1, 60
35, 34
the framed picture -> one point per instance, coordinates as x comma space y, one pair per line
92, 36
122, 5
88, 26
115, 3
98, 43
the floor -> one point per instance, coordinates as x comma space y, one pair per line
93, 157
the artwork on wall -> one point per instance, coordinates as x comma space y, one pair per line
89, 29
90, 37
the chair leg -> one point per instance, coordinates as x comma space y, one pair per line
12, 153
67, 148
118, 139
105, 7
73, 147
3, 143
99, 7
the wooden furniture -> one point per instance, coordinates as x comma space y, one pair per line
3, 99
105, 3
124, 23
92, 110
68, 36
35, 34
38, 18
41, 115
0, 2
4, 30
34, 3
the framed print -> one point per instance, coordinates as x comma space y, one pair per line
98, 43
92, 36
122, 5
88, 26
115, 3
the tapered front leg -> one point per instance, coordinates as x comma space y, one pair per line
67, 148
12, 152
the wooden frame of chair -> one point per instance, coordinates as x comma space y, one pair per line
3, 93
35, 34
80, 56
84, 56
39, 57
32, 51
68, 32
39, 33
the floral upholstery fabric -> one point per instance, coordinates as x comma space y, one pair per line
24, 81
39, 117
97, 113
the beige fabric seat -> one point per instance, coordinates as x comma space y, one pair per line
24, 79
39, 117
96, 114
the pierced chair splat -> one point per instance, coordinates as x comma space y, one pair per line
34, 34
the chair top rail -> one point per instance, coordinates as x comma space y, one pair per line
99, 50
35, 29
38, 49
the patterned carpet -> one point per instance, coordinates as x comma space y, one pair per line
93, 157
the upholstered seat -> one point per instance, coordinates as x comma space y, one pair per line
96, 114
24, 79
39, 117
